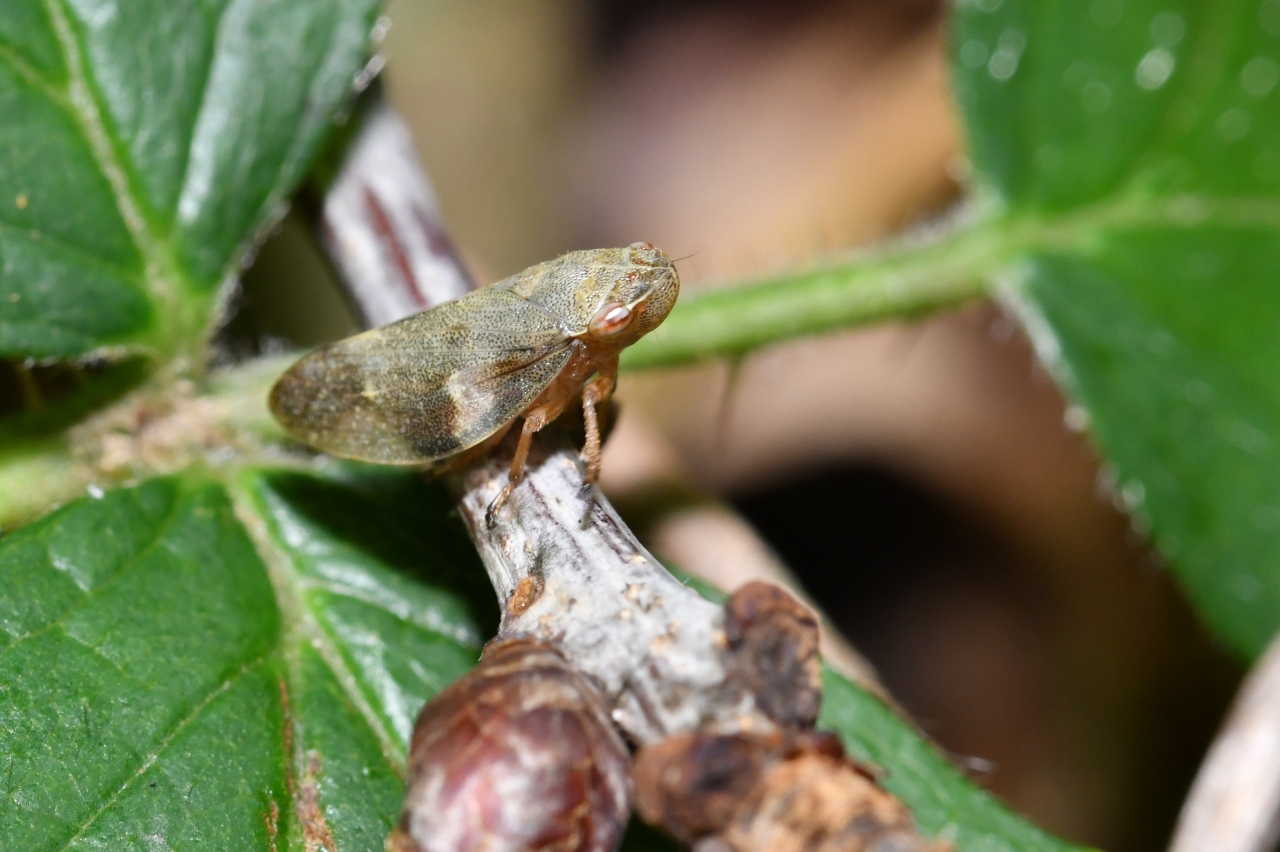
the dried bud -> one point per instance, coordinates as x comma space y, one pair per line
784, 792
813, 802
774, 642
518, 756
691, 785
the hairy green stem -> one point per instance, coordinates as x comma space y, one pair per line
908, 280
912, 277
160, 427
37, 477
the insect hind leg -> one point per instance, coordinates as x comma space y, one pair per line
533, 423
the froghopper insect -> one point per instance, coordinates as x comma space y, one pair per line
455, 376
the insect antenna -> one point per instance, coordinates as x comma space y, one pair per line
692, 253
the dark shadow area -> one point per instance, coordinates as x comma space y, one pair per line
401, 520
39, 399
615, 21
287, 299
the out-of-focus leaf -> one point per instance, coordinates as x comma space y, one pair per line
143, 144
181, 667
1138, 143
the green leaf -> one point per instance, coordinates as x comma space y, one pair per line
187, 662
1176, 369
1069, 103
187, 665
1145, 134
136, 633
144, 145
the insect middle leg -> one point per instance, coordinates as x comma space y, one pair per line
534, 420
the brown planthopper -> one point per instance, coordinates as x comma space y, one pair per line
455, 376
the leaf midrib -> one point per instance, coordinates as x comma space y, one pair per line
300, 627
83, 108
160, 277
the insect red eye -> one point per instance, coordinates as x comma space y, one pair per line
610, 319
646, 246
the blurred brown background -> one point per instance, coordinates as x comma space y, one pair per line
919, 479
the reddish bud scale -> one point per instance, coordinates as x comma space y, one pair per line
518, 756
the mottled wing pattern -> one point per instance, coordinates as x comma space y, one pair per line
426, 387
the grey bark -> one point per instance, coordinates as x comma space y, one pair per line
561, 561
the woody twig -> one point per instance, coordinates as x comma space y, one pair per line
1234, 804
596, 637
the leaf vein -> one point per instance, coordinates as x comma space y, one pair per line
162, 529
287, 583
86, 257
162, 746
24, 69
94, 128
159, 285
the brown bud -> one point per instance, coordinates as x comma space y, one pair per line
782, 792
813, 802
692, 784
518, 756
773, 639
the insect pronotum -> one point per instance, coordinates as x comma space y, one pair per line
452, 377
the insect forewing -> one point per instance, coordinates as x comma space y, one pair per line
428, 386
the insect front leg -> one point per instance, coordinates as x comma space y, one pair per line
534, 420
597, 390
